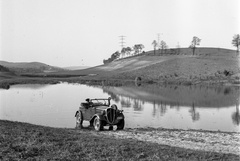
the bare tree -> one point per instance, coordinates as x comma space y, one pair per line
155, 44
236, 41
163, 45
196, 41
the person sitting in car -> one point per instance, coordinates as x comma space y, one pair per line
88, 103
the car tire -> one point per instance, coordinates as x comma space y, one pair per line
97, 124
121, 124
79, 120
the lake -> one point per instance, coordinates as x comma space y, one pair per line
178, 107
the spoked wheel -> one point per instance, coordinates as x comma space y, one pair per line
121, 124
79, 120
97, 124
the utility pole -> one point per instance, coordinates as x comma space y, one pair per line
122, 42
159, 36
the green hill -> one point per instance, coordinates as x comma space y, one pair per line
171, 66
5, 73
31, 67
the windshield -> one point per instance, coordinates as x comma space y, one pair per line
100, 102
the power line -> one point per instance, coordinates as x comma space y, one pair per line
122, 42
159, 36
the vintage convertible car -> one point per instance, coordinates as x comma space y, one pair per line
100, 113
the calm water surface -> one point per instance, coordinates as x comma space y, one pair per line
180, 107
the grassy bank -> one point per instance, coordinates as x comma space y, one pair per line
22, 141
208, 66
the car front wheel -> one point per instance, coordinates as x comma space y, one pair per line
79, 120
121, 124
97, 124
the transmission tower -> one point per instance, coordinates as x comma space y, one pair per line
122, 42
158, 38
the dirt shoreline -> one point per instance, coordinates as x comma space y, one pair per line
26, 141
219, 142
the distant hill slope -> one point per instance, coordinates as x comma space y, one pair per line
3, 69
5, 73
31, 67
76, 67
170, 65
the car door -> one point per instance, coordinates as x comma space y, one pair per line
88, 113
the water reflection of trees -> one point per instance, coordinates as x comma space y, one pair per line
236, 115
125, 102
195, 115
166, 97
137, 105
114, 96
161, 108
202, 96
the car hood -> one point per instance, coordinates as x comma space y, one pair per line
101, 107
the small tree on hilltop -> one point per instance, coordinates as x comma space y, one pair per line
163, 45
138, 48
123, 52
155, 44
128, 50
196, 41
236, 41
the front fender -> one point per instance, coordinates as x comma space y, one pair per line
121, 115
101, 117
76, 113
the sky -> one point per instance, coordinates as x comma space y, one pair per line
84, 32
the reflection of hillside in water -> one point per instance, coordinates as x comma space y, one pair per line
193, 96
31, 86
164, 98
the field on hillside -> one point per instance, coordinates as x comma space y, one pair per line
208, 65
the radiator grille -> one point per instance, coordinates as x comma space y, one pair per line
111, 115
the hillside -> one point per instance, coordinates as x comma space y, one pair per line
31, 67
76, 67
5, 73
3, 69
173, 66
207, 64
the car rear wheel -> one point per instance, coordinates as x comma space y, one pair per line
97, 124
79, 120
121, 124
